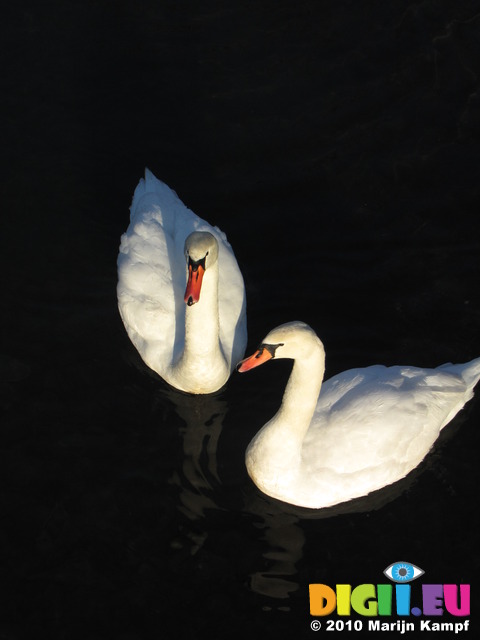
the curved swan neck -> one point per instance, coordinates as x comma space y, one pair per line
301, 393
274, 456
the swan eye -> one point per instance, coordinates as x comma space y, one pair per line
403, 572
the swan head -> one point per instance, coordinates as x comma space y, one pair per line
201, 253
295, 340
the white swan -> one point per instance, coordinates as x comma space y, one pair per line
366, 429
194, 347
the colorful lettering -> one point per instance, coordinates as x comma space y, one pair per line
451, 601
376, 600
322, 600
363, 600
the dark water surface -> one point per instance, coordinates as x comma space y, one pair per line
336, 143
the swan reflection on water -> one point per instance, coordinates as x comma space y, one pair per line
203, 418
201, 492
274, 532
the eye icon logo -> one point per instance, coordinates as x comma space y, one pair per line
402, 572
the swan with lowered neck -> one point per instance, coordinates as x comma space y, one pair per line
359, 431
180, 292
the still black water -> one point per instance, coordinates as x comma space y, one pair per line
336, 143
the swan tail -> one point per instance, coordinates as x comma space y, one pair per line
470, 372
153, 198
152, 185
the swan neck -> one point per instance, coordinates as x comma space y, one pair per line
274, 456
202, 320
301, 393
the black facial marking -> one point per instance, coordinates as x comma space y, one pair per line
197, 263
271, 348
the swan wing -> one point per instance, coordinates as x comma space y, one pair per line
385, 417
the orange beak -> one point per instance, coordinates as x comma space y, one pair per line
194, 284
260, 356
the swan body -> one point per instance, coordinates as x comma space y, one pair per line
168, 257
359, 431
